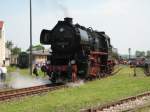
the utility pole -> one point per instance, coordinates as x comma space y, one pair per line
30, 61
134, 70
129, 50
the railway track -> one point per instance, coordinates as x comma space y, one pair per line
126, 105
116, 71
10, 94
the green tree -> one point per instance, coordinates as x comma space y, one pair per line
9, 45
140, 54
37, 48
16, 50
148, 54
114, 53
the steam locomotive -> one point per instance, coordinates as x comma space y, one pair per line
77, 52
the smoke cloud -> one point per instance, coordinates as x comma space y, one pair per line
2, 85
63, 8
20, 81
75, 84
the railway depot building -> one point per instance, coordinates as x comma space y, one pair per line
2, 43
40, 57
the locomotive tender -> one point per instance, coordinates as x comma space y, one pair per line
77, 52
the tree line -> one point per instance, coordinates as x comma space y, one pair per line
15, 50
142, 54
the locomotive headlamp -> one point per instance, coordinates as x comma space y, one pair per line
61, 29
73, 62
48, 62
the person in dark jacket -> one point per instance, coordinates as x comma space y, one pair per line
35, 70
44, 69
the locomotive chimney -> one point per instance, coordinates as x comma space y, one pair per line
68, 19
102, 32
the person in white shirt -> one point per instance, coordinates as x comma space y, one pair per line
0, 73
3, 73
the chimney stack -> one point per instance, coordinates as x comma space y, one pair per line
68, 19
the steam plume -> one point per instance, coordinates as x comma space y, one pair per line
63, 8
20, 81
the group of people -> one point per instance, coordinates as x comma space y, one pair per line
3, 72
36, 69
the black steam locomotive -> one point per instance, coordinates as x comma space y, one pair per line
77, 51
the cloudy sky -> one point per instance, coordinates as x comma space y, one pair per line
127, 22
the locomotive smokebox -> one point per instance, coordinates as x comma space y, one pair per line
68, 19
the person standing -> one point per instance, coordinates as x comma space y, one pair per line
44, 69
0, 73
3, 73
35, 70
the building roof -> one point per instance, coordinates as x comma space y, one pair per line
40, 53
1, 24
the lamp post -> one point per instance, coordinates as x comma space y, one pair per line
30, 61
129, 53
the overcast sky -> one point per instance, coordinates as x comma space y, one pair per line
127, 22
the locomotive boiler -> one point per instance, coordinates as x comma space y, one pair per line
77, 52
